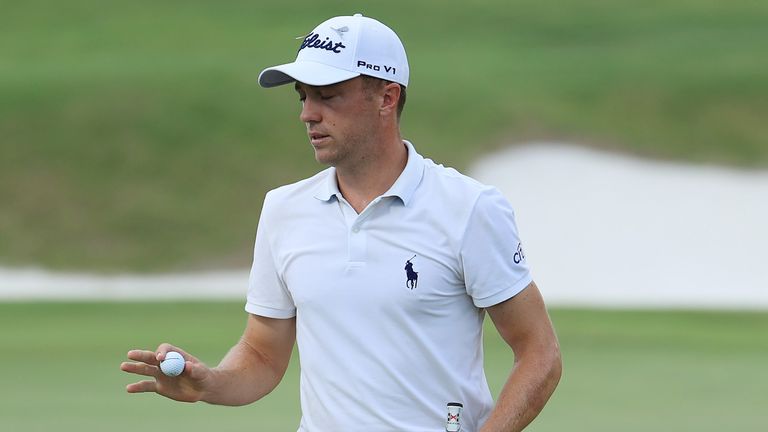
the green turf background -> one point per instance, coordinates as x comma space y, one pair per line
133, 135
623, 370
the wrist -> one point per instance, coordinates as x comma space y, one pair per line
206, 387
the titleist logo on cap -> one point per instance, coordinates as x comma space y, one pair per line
313, 41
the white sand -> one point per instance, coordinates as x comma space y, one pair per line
608, 230
598, 230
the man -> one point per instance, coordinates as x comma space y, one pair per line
381, 349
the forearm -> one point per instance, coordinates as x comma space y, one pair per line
529, 386
243, 376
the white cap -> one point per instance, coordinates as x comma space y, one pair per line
343, 48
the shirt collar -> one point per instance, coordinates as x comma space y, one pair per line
405, 185
403, 188
329, 188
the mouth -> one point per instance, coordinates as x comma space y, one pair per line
317, 138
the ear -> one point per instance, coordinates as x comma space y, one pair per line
391, 96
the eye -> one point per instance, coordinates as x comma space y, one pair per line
327, 96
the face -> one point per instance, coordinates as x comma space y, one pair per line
341, 121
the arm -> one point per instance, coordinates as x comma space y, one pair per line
249, 371
523, 323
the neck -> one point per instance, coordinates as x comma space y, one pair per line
374, 174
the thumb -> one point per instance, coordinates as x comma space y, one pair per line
196, 371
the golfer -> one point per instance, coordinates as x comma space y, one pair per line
381, 268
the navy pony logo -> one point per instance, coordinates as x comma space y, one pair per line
413, 277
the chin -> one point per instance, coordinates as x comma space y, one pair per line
324, 158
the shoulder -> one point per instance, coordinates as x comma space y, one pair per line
452, 201
446, 182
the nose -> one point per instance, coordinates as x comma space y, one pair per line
309, 111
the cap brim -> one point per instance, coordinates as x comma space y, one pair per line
312, 73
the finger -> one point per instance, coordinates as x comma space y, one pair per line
145, 356
139, 368
164, 348
142, 387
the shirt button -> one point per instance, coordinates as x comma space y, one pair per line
355, 230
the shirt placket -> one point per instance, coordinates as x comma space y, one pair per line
357, 236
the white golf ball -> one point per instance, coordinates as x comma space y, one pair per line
173, 365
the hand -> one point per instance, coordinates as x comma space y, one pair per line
188, 387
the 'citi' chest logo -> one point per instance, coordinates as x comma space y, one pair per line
519, 255
412, 276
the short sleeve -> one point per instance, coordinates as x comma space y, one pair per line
492, 254
267, 294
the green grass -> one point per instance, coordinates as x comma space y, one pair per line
624, 370
133, 135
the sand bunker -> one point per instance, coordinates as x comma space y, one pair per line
608, 230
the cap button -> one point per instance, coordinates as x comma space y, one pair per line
357, 15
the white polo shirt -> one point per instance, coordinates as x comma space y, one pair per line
382, 347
